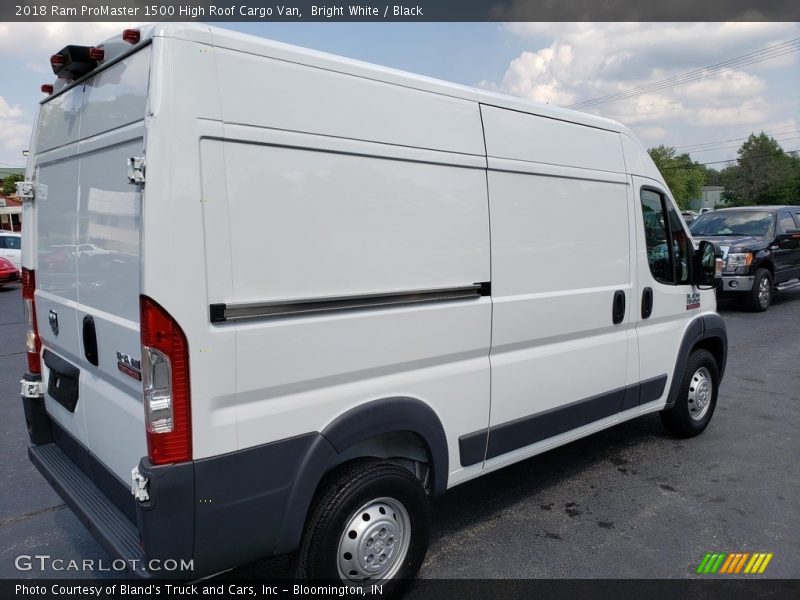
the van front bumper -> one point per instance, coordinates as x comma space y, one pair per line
736, 283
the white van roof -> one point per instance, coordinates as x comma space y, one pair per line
234, 40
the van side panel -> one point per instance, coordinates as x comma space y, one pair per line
313, 225
519, 136
311, 216
560, 252
265, 92
179, 234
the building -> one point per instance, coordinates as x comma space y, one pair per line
10, 206
10, 214
710, 197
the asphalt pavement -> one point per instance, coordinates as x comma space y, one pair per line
630, 502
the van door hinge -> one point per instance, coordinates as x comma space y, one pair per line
136, 170
26, 190
139, 485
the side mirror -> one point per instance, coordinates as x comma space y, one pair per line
707, 267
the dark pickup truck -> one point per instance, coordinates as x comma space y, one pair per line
761, 249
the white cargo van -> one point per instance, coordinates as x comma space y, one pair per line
321, 292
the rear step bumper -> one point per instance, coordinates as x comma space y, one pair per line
108, 524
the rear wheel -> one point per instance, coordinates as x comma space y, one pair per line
697, 396
370, 523
760, 297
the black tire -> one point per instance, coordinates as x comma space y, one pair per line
755, 301
685, 419
341, 494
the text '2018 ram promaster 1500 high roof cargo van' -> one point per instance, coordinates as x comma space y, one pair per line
279, 299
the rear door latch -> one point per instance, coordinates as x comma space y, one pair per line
136, 170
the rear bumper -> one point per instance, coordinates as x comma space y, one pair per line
118, 536
202, 516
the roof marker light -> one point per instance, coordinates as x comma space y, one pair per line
96, 53
57, 60
131, 36
47, 88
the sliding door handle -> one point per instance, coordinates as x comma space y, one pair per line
618, 307
647, 302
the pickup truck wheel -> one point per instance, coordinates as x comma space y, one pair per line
760, 297
697, 397
370, 523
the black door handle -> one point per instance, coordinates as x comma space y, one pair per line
90, 340
647, 302
618, 307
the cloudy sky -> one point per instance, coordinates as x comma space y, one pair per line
558, 63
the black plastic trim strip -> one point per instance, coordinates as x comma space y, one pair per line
516, 434
221, 312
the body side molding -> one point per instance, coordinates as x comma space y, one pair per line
222, 312
512, 435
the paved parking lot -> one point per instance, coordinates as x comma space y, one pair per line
629, 502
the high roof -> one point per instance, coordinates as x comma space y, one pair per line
234, 40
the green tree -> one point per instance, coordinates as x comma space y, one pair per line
763, 174
9, 184
684, 176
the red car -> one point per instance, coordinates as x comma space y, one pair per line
8, 272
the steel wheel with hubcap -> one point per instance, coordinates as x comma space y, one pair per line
697, 396
375, 542
700, 390
369, 522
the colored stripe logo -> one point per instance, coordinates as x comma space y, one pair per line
732, 563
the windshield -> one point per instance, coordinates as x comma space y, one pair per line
744, 222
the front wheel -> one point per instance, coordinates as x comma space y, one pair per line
760, 297
370, 523
697, 396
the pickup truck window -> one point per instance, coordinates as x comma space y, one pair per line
668, 247
754, 223
785, 221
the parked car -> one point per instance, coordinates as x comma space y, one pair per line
317, 327
688, 216
703, 211
11, 247
8, 272
761, 249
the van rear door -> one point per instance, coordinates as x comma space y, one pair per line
88, 261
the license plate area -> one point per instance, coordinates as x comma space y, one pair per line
62, 384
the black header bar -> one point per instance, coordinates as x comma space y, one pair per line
399, 10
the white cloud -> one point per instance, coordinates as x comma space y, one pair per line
571, 62
43, 39
14, 134
7, 111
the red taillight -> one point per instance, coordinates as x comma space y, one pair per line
32, 341
96, 53
47, 88
165, 377
57, 60
131, 36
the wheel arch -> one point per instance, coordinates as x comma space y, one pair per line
707, 332
766, 263
357, 426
